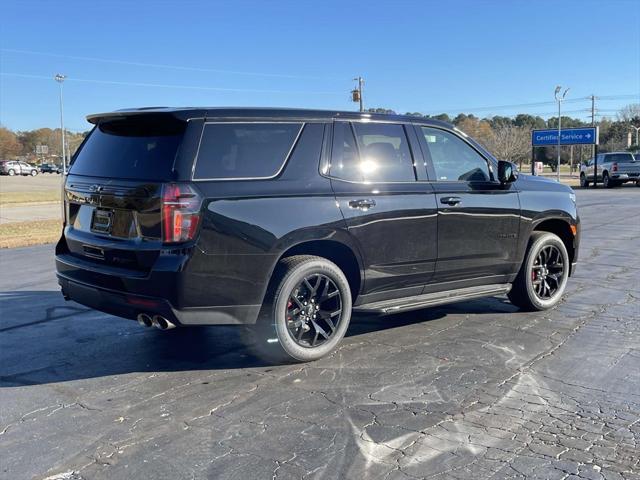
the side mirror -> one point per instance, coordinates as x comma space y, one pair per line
507, 172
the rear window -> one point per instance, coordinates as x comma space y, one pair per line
620, 157
137, 150
244, 150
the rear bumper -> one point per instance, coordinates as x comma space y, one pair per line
625, 177
127, 294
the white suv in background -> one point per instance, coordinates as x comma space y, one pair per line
12, 168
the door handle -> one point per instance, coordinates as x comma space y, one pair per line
362, 204
450, 200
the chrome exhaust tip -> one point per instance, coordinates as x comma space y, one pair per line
145, 320
162, 323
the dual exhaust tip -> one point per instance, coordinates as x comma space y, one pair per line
157, 321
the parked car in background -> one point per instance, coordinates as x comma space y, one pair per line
287, 220
50, 168
16, 167
614, 169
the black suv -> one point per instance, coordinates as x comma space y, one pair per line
50, 168
289, 220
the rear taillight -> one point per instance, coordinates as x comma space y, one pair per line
180, 213
614, 167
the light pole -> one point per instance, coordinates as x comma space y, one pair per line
60, 78
637, 129
559, 99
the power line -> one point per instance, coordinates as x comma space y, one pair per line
166, 66
160, 85
533, 104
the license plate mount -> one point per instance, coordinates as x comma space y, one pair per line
102, 221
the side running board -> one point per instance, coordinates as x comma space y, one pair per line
432, 299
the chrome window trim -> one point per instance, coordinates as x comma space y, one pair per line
330, 156
221, 179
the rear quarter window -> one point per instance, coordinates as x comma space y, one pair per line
244, 150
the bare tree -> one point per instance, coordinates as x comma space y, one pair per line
630, 113
508, 142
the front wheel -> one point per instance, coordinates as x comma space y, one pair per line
543, 275
583, 181
11, 172
34, 173
606, 181
306, 312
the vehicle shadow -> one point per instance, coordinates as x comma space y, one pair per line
44, 339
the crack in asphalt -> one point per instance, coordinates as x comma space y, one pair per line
487, 392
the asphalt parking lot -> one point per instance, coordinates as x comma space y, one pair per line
474, 390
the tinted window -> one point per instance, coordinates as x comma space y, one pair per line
345, 162
382, 153
453, 159
244, 150
620, 157
140, 150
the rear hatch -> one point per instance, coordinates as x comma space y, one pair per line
122, 200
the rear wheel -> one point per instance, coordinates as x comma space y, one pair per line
11, 172
606, 181
583, 181
34, 173
543, 275
306, 312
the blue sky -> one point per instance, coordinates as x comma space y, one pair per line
427, 56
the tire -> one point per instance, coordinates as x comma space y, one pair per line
606, 181
583, 181
275, 331
34, 173
528, 290
11, 172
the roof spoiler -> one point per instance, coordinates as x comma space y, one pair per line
96, 118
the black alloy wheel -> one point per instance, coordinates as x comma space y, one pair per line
543, 275
306, 311
547, 272
314, 310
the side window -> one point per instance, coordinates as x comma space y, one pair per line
244, 150
382, 153
345, 162
454, 160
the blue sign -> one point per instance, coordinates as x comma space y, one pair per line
569, 136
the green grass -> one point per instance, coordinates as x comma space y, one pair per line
7, 198
21, 234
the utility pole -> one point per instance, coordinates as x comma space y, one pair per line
356, 94
60, 78
571, 161
594, 148
559, 99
